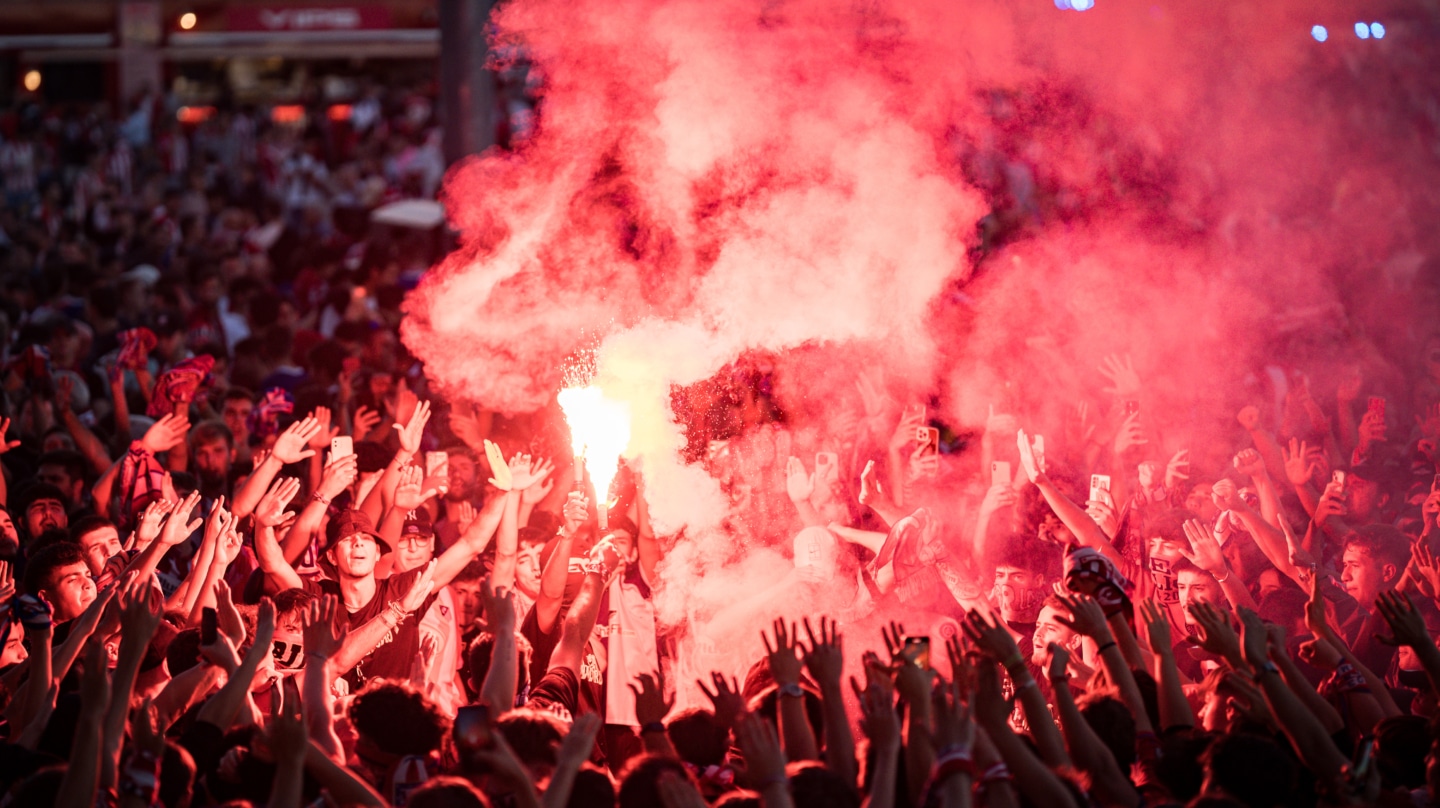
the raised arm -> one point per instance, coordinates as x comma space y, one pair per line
1091, 754
557, 569
996, 641
291, 446
269, 513
785, 666
1174, 707
501, 679
826, 662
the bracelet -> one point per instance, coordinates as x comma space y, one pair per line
999, 771
1228, 573
1267, 667
1104, 647
1028, 681
320, 498
653, 726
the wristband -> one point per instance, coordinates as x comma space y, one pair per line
1013, 661
1028, 681
792, 690
653, 726
320, 498
995, 773
1268, 667
1103, 648
1228, 573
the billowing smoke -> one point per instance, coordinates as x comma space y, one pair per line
983, 199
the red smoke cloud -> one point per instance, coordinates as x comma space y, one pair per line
1191, 183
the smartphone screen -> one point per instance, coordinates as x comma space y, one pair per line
921, 644
1098, 483
472, 727
209, 626
437, 464
342, 446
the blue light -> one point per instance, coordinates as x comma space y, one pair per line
1082, 5
1319, 33
1063, 5
1362, 30
1377, 30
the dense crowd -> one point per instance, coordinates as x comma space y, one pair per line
247, 557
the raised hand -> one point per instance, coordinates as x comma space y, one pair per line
1407, 627
759, 743
799, 484
1030, 460
1216, 634
576, 512
526, 471
165, 434
1205, 551
150, 521
992, 639
1427, 572
408, 493
1086, 617
1102, 511
1300, 467
997, 498
783, 655
871, 491
1157, 626
1131, 436
365, 421
338, 475
878, 718
1250, 463
287, 734
1176, 470
1372, 428
414, 428
464, 514
1255, 638
1124, 381
499, 607
650, 704
1058, 668
542, 484
499, 469
324, 631
1332, 502
1320, 653
291, 445
5, 445
178, 526
824, 659
1249, 417
420, 590
270, 510
218, 522
910, 420
325, 432
725, 698
1429, 423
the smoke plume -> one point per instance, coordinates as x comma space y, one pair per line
988, 197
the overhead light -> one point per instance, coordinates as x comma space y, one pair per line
1320, 33
1377, 30
187, 21
1362, 30
32, 80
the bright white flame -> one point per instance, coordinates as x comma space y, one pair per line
599, 432
32, 80
187, 20
1377, 30
1319, 33
1362, 30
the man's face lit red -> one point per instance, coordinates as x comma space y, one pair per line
355, 555
1018, 593
467, 601
462, 477
56, 475
413, 551
100, 545
1362, 497
1364, 576
71, 590
527, 569
1049, 629
9, 536
237, 416
1196, 586
1164, 549
45, 514
212, 460
14, 651
1200, 501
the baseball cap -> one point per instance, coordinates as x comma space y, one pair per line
342, 525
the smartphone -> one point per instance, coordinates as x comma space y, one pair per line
209, 626
437, 464
825, 460
929, 437
342, 446
1364, 757
1038, 444
922, 645
1377, 405
1131, 407
1098, 483
1338, 476
472, 730
1000, 473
